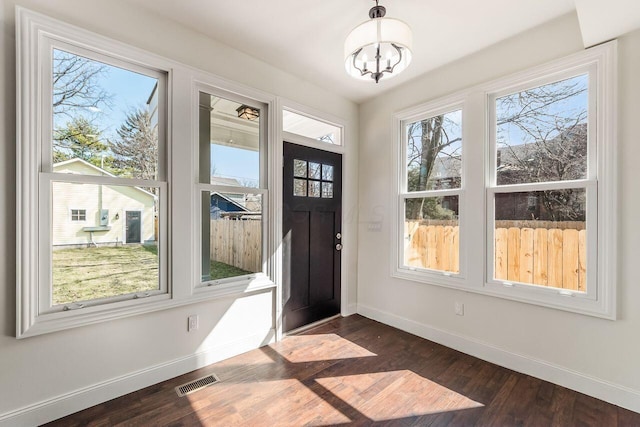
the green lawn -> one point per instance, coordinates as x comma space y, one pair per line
91, 273
220, 270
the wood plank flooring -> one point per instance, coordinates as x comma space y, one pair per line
355, 371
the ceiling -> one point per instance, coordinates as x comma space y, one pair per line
306, 38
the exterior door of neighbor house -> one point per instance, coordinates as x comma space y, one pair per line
133, 227
312, 240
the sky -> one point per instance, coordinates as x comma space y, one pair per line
128, 91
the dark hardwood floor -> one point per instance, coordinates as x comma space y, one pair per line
355, 371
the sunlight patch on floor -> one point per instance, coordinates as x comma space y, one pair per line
253, 401
315, 348
395, 394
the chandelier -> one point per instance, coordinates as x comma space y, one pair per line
378, 47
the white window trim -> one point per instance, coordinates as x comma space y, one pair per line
398, 269
250, 282
179, 236
601, 62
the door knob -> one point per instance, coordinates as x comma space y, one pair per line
339, 247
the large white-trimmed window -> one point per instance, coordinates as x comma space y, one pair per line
233, 189
550, 195
92, 132
539, 178
430, 192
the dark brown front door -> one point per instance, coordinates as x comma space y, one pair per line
311, 235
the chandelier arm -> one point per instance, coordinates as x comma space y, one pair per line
399, 49
362, 72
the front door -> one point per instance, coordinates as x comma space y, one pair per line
133, 227
312, 210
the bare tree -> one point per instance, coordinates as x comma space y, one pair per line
76, 85
432, 142
542, 137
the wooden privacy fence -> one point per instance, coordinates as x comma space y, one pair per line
547, 257
237, 243
525, 251
432, 245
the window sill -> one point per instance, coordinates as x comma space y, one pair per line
59, 321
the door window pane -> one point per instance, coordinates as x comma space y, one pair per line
327, 190
434, 152
314, 189
542, 133
95, 258
431, 233
327, 172
299, 168
300, 187
314, 170
540, 238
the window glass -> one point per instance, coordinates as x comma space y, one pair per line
230, 156
542, 133
234, 235
299, 168
311, 128
113, 252
541, 237
431, 233
229, 142
104, 115
434, 152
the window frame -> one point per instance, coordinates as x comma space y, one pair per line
248, 282
37, 36
455, 102
599, 63
479, 179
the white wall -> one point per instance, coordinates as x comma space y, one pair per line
45, 377
596, 356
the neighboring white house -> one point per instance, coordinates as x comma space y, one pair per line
86, 214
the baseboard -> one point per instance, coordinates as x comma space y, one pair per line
349, 310
609, 392
60, 406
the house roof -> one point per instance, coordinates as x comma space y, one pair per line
76, 162
228, 200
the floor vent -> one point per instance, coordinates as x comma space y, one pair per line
196, 385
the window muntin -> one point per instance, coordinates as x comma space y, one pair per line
432, 191
543, 185
232, 187
312, 179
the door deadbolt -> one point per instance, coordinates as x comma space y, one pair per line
339, 236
